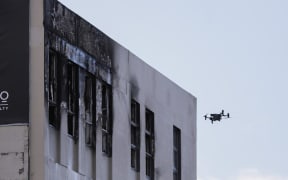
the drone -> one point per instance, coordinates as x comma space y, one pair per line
217, 117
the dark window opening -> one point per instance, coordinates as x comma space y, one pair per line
150, 144
72, 100
176, 153
135, 135
107, 120
90, 110
53, 99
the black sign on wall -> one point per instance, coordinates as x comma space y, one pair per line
14, 61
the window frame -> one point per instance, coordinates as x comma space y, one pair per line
53, 89
107, 119
90, 110
149, 143
135, 135
176, 153
72, 100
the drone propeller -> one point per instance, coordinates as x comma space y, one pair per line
228, 115
205, 116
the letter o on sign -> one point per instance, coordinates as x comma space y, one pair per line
4, 95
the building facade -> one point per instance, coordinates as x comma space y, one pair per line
96, 111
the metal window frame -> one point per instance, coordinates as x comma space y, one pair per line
149, 143
53, 100
176, 153
107, 119
135, 134
90, 110
72, 100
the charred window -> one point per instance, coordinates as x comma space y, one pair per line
150, 144
107, 121
90, 110
72, 99
176, 153
135, 135
53, 98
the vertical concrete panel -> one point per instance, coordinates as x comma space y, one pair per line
61, 172
64, 154
121, 136
52, 173
53, 139
72, 175
37, 112
81, 140
121, 106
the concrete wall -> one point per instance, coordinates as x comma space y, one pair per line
14, 152
171, 105
38, 121
132, 78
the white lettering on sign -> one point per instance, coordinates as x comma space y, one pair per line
4, 96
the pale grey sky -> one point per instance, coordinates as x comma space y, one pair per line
231, 55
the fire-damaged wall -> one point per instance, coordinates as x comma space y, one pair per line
78, 95
65, 24
95, 89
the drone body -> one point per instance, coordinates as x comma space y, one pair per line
217, 117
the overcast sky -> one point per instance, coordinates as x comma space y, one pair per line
231, 55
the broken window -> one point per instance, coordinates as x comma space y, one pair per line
135, 135
107, 121
176, 153
72, 100
90, 110
150, 144
53, 100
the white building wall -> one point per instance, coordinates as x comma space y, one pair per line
171, 105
